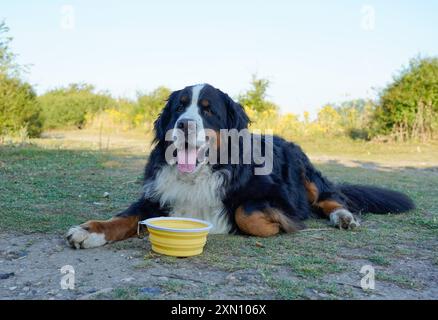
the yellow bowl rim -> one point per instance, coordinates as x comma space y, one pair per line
148, 223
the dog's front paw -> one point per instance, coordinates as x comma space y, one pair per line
343, 219
78, 237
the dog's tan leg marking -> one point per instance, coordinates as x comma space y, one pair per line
263, 223
312, 191
98, 233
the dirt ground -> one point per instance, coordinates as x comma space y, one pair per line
36, 260
30, 268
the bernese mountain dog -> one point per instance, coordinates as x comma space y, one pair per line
230, 193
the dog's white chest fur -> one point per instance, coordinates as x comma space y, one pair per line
197, 195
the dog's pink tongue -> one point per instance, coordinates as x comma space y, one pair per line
186, 160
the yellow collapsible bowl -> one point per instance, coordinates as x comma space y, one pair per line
178, 237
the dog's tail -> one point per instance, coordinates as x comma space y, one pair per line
375, 200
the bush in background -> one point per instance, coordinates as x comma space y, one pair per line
255, 98
149, 105
127, 114
69, 107
408, 107
19, 108
350, 118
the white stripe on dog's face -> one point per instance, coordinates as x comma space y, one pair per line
192, 113
192, 110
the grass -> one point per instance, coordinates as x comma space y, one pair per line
400, 280
128, 293
45, 190
310, 266
380, 260
54, 183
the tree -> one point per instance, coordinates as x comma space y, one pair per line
69, 106
408, 107
355, 117
19, 108
6, 56
150, 104
256, 98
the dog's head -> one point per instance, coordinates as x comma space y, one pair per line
189, 117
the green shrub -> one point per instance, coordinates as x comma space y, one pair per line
408, 107
19, 108
149, 105
125, 114
255, 98
69, 107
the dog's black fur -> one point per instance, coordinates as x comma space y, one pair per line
283, 189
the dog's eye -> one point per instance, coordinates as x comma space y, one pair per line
207, 111
206, 107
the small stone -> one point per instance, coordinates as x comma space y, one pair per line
230, 277
106, 194
259, 244
163, 278
150, 291
129, 279
52, 292
4, 276
26, 289
12, 288
94, 294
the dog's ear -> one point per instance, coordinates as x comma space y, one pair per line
160, 125
236, 115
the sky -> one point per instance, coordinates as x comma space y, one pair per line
313, 52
